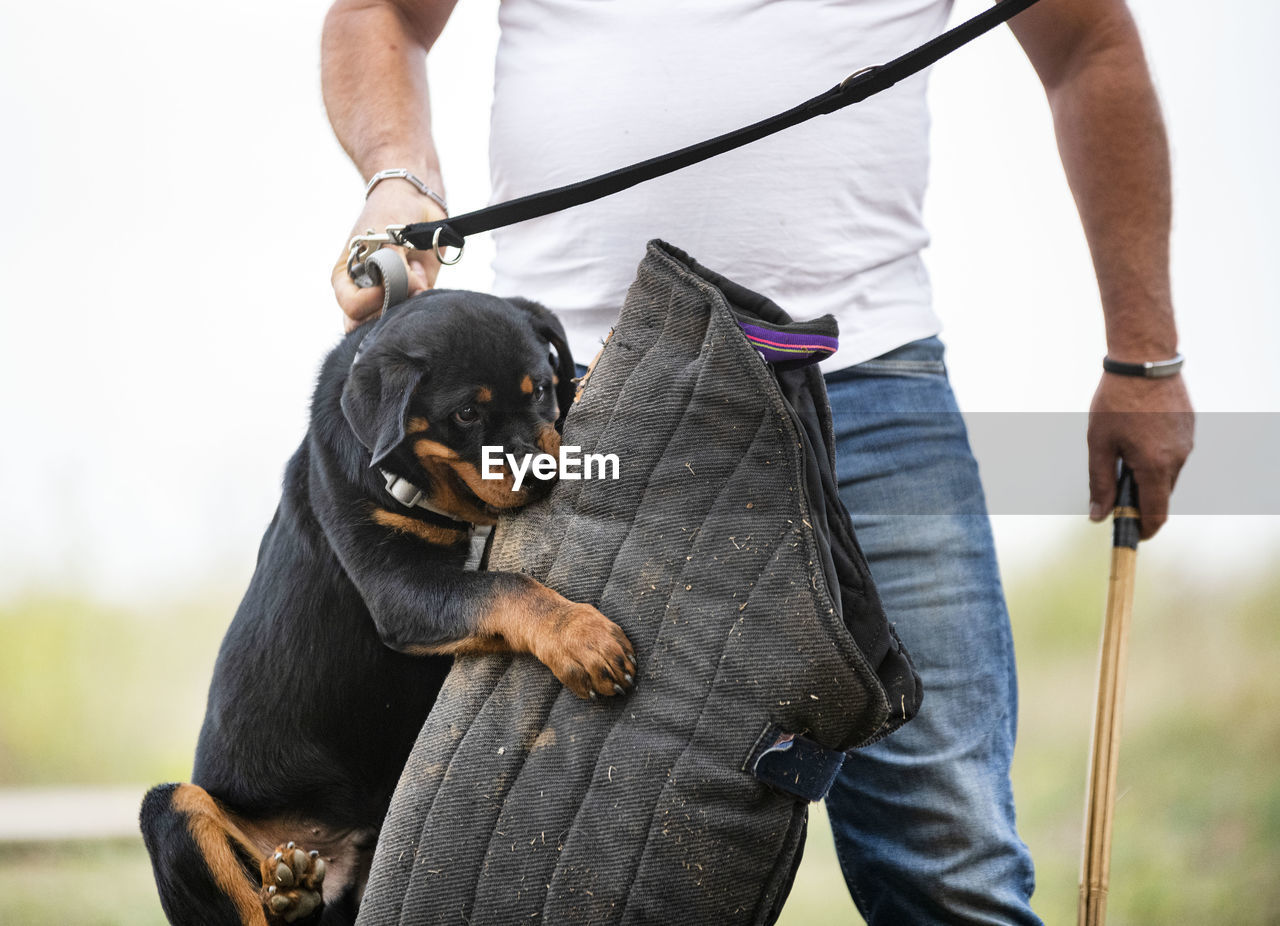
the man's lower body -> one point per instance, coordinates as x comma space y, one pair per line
924, 820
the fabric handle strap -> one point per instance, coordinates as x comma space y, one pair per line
793, 764
853, 89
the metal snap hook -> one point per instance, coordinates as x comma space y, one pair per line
362, 247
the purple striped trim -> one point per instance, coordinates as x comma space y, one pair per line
778, 346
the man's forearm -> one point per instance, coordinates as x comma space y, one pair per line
374, 76
1108, 115
1112, 142
374, 79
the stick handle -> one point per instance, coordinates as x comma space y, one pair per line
1104, 752
1124, 525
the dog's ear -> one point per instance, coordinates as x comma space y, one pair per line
548, 327
375, 401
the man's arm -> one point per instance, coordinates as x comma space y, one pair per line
374, 78
1112, 142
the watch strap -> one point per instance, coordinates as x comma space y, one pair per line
1151, 369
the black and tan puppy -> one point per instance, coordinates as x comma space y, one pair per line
342, 641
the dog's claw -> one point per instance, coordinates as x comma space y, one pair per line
271, 889
278, 856
288, 845
618, 689
629, 679
314, 853
592, 695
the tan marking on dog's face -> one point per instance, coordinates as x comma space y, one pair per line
495, 492
417, 425
426, 450
431, 533
484, 394
454, 478
526, 385
549, 440
210, 829
448, 494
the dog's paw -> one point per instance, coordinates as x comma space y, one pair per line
589, 653
291, 881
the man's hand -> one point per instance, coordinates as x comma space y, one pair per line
392, 202
1149, 424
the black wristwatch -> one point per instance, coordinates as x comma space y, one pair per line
1152, 369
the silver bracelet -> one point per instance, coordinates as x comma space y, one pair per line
399, 173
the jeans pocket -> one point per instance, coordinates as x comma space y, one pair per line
918, 358
898, 367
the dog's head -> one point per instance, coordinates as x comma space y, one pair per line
450, 372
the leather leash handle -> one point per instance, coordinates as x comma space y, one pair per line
385, 268
1104, 751
857, 87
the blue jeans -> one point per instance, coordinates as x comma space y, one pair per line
924, 820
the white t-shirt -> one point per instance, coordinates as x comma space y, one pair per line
823, 217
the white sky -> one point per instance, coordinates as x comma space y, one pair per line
172, 201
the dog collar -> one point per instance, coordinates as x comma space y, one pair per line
409, 495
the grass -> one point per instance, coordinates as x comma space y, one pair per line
95, 695
99, 884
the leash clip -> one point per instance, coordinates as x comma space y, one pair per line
361, 247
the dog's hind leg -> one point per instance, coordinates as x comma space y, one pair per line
207, 870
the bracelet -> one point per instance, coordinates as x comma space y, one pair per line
399, 173
1152, 369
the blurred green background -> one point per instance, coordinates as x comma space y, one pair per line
94, 695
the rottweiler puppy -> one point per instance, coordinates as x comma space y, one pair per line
359, 599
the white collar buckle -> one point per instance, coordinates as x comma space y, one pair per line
404, 491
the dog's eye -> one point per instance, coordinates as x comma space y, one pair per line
540, 392
466, 415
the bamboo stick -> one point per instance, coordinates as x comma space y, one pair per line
1104, 750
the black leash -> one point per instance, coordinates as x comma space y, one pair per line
452, 232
